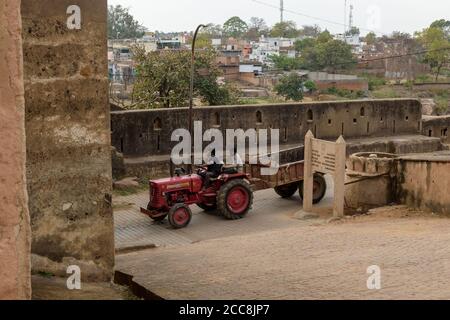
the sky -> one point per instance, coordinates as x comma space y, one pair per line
380, 16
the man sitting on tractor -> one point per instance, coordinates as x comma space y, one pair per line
215, 166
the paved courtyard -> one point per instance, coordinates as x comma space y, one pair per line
271, 255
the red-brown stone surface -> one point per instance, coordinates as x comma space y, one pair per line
14, 218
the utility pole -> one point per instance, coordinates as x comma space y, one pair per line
191, 93
345, 17
350, 22
281, 11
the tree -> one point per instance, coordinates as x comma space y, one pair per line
287, 29
353, 31
311, 86
335, 55
122, 25
371, 38
327, 54
213, 31
442, 24
290, 87
310, 31
259, 26
435, 40
163, 79
324, 37
256, 28
301, 45
235, 27
285, 63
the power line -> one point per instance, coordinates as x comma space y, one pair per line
308, 16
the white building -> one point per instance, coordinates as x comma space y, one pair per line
353, 40
266, 47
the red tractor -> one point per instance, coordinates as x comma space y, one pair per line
230, 194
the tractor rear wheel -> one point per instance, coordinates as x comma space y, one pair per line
180, 216
287, 191
319, 188
235, 199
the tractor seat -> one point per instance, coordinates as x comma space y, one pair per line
230, 170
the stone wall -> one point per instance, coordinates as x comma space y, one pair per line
437, 126
68, 135
14, 218
148, 132
424, 181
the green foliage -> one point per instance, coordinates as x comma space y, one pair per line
215, 94
353, 31
371, 38
307, 43
344, 93
375, 82
437, 43
311, 86
122, 25
287, 29
331, 55
310, 31
285, 63
290, 86
235, 27
324, 37
443, 25
163, 79
385, 93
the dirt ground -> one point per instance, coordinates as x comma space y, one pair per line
53, 288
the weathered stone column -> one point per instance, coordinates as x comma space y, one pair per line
68, 136
14, 218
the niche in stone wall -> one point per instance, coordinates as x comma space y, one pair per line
310, 116
157, 127
259, 119
216, 119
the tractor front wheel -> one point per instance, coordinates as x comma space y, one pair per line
235, 199
287, 190
180, 216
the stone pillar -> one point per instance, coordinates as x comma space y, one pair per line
308, 174
68, 136
14, 218
339, 178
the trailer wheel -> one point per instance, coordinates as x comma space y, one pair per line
235, 199
287, 191
180, 216
319, 188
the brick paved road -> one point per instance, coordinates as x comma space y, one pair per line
270, 255
323, 261
270, 212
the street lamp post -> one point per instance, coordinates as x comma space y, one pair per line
191, 94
